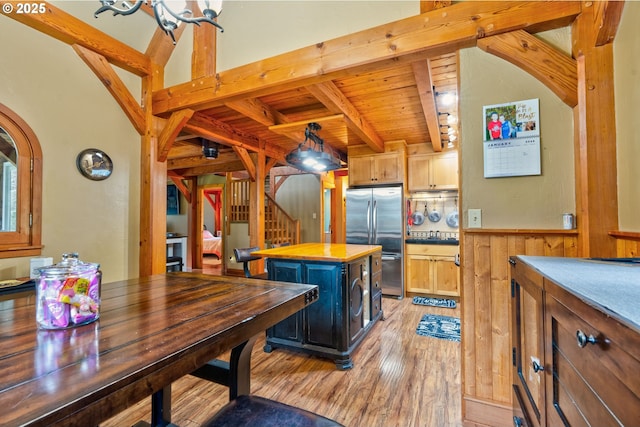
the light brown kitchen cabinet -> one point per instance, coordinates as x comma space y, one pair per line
433, 171
384, 168
573, 362
431, 269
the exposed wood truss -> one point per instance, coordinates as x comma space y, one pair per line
553, 68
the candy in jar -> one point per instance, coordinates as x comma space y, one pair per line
68, 293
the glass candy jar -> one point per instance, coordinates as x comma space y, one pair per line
68, 293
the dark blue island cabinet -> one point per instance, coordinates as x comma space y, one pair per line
349, 303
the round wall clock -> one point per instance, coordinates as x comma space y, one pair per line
94, 164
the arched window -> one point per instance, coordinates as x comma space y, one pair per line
20, 187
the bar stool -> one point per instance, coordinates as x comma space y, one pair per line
244, 256
255, 411
174, 263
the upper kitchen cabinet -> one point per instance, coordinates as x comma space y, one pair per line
374, 169
428, 172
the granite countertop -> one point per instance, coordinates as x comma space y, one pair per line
452, 242
339, 252
614, 286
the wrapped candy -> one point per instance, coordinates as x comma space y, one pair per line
68, 293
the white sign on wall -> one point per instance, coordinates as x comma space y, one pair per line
512, 139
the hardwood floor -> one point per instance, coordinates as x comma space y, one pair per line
399, 379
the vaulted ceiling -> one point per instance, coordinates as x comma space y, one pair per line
387, 83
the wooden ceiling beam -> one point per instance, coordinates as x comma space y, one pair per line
161, 46
336, 102
218, 131
255, 110
429, 34
116, 87
72, 31
606, 20
550, 66
178, 181
214, 168
247, 161
424, 84
197, 159
171, 130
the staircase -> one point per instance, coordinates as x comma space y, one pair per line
279, 226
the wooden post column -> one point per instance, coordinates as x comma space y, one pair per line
595, 138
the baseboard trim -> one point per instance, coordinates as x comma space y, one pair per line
477, 413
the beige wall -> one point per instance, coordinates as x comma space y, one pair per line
301, 197
626, 50
49, 86
255, 30
530, 202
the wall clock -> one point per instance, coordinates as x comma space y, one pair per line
94, 164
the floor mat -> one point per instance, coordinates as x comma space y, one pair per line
443, 327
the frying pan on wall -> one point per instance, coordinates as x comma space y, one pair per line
434, 215
452, 217
417, 216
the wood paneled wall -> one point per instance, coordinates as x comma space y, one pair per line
627, 244
486, 308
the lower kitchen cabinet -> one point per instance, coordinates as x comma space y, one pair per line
349, 304
574, 363
431, 269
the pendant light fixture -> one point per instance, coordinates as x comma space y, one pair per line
209, 149
313, 158
168, 13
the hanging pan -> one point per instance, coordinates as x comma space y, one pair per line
452, 217
417, 216
435, 215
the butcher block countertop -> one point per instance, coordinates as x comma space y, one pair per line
336, 252
613, 286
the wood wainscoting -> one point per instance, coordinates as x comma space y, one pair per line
627, 243
486, 308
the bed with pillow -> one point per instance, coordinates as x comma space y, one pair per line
211, 244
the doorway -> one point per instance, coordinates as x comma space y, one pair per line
212, 220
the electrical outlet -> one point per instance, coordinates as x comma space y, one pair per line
475, 218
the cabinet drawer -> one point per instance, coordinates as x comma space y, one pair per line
376, 304
591, 383
441, 250
376, 263
376, 283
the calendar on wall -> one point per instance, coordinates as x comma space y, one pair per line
512, 139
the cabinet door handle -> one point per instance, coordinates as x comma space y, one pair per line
583, 339
537, 367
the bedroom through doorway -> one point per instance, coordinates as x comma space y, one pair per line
212, 214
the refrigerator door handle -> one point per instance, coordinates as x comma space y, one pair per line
375, 223
369, 222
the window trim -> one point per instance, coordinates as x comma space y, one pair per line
27, 239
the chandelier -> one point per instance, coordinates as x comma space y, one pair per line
168, 13
310, 157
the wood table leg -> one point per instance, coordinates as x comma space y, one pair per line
235, 374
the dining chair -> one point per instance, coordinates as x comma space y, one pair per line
256, 411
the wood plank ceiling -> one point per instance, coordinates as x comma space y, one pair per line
396, 103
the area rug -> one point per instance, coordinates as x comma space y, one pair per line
443, 327
435, 302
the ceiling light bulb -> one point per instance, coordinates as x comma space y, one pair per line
448, 99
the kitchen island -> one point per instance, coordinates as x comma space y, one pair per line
350, 297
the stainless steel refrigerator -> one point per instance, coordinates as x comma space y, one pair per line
374, 217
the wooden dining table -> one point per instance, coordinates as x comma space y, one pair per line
151, 331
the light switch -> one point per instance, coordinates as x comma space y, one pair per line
475, 218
